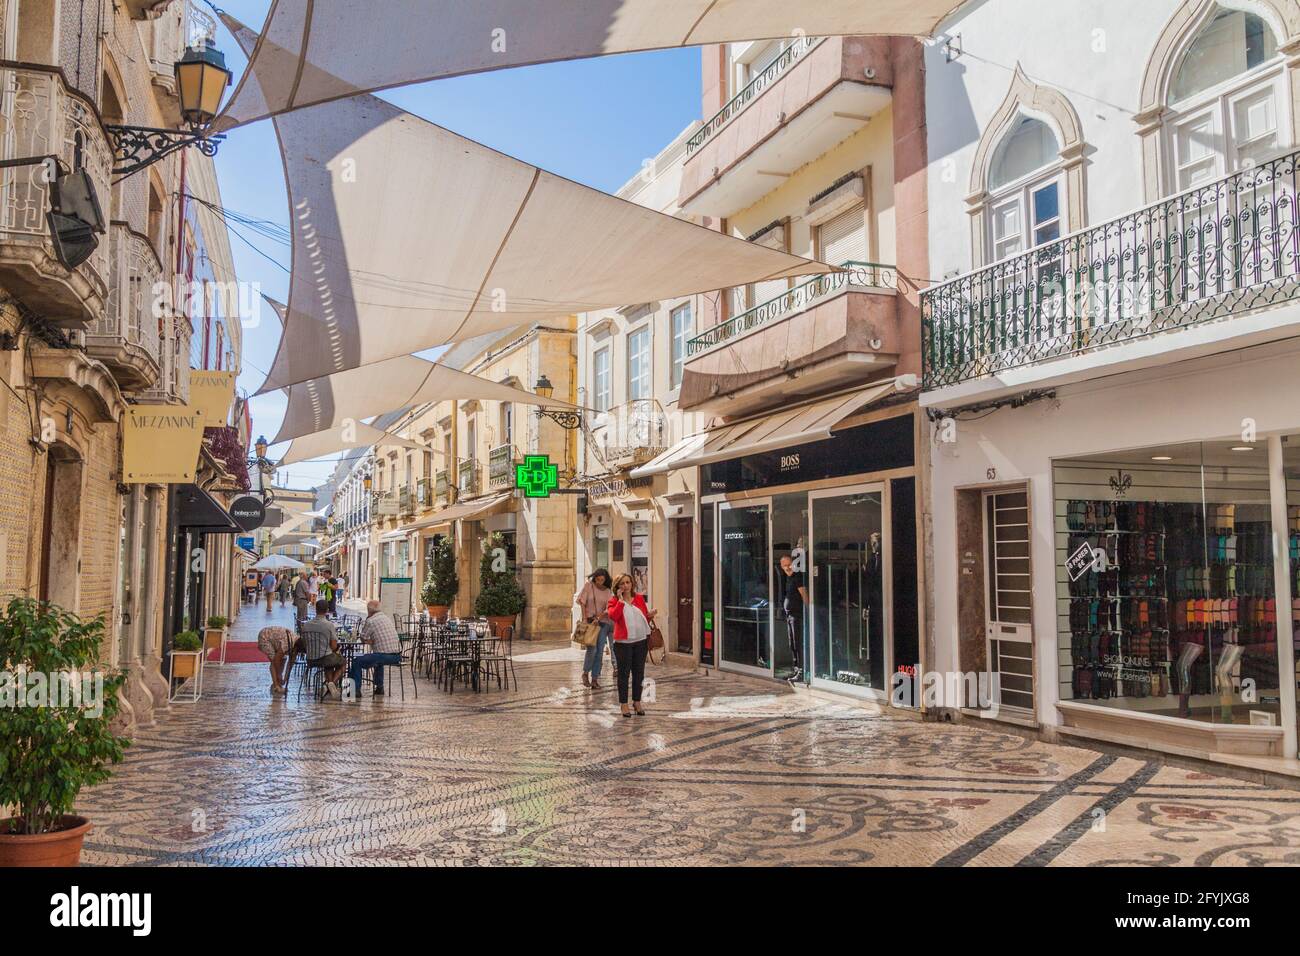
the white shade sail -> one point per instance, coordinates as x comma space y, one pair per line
333, 401
358, 435
315, 51
407, 236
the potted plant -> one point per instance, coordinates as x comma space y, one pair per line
500, 596
48, 753
186, 654
441, 584
214, 637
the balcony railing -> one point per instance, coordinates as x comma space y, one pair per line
405, 500
1204, 254
501, 460
424, 492
801, 297
442, 486
468, 478
39, 116
750, 91
632, 432
127, 331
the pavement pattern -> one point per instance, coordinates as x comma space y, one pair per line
724, 770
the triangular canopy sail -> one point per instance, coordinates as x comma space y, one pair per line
331, 440
407, 236
315, 51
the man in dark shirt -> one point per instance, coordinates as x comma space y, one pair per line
321, 648
793, 598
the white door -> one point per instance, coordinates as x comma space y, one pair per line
1008, 633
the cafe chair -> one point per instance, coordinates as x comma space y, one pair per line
499, 662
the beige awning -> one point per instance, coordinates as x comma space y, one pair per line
465, 511
406, 236
395, 535
358, 435
331, 401
314, 51
797, 425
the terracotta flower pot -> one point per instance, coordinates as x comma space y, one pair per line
500, 622
60, 848
437, 611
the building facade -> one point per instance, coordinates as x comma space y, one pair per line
799, 397
1109, 365
81, 345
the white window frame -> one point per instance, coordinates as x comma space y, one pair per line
1219, 101
677, 349
635, 354
601, 380
1019, 194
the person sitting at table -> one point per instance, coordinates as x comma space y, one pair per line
322, 648
381, 634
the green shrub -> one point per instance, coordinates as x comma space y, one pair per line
500, 593
48, 753
217, 621
187, 641
441, 584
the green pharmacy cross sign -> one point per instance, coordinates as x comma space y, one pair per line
537, 476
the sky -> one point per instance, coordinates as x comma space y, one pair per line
593, 121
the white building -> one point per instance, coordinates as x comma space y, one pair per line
1110, 356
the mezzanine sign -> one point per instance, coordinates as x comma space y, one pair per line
161, 446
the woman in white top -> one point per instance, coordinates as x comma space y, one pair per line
632, 623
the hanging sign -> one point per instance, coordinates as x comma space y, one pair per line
212, 393
160, 444
248, 512
537, 476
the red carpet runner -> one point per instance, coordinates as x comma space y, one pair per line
239, 652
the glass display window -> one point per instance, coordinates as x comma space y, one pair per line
1165, 588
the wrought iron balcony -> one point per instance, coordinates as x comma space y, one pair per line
442, 486
469, 480
630, 433
1225, 247
750, 91
501, 461
424, 492
126, 336
42, 116
864, 274
405, 500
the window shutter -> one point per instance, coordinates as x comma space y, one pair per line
774, 238
844, 237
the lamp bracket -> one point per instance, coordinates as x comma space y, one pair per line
135, 147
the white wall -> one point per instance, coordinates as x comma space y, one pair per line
1203, 400
1094, 52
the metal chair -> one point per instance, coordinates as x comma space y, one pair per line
499, 661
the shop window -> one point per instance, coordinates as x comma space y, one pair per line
1291, 471
1166, 591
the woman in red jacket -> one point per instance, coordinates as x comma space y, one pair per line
632, 621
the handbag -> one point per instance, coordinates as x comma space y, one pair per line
655, 642
585, 634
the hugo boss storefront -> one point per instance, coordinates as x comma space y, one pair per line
809, 566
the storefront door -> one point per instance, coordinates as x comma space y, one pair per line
745, 586
850, 588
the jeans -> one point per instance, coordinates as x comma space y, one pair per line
595, 659
629, 661
300, 605
367, 661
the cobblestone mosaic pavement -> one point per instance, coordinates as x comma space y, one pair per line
723, 770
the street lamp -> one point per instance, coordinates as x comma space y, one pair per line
566, 419
264, 467
201, 80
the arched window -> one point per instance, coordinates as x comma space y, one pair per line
1228, 101
1024, 187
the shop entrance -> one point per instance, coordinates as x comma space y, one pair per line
850, 572
745, 592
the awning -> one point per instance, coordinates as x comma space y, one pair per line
465, 511
798, 425
406, 235
246, 556
199, 511
314, 51
396, 535
331, 440
329, 552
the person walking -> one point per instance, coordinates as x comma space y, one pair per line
632, 621
334, 596
313, 588
301, 595
268, 588
593, 602
794, 596
283, 588
326, 592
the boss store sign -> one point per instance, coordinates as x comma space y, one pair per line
876, 446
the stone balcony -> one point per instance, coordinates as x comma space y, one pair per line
126, 336
829, 332
44, 116
811, 98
